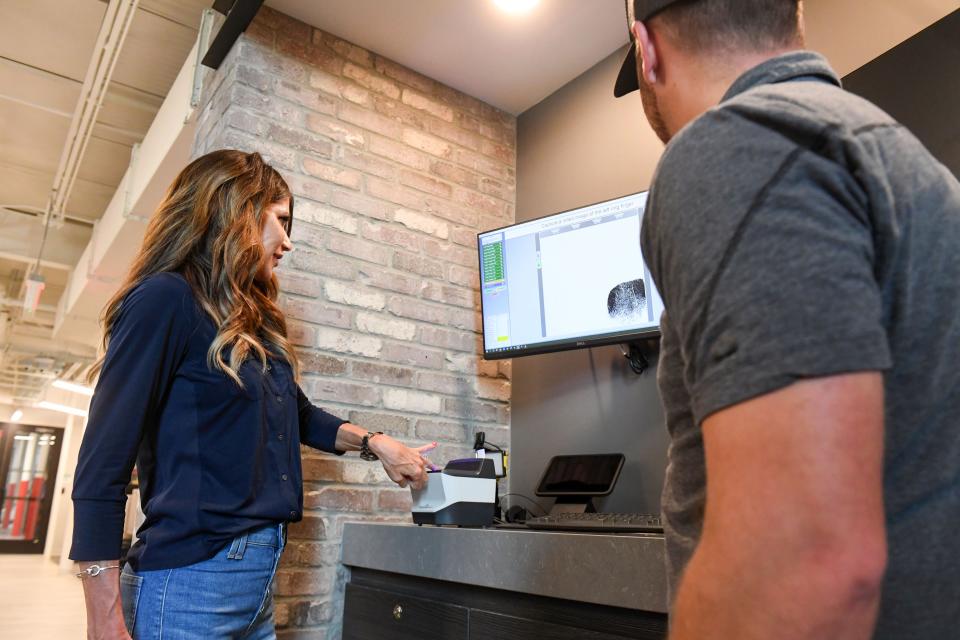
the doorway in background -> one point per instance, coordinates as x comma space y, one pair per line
28, 469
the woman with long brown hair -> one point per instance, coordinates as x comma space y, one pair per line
197, 386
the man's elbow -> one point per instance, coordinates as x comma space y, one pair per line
853, 570
866, 575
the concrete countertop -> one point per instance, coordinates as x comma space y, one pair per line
620, 570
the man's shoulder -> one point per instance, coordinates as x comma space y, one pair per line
733, 145
716, 148
756, 120
790, 113
720, 159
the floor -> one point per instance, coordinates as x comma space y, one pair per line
37, 602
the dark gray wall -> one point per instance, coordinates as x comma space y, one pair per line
918, 83
577, 147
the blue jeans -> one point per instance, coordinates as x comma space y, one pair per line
225, 597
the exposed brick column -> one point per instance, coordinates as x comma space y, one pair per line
393, 174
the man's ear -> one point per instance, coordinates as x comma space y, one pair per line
645, 51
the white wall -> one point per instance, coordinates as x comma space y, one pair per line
31, 415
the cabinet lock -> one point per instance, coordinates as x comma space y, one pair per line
397, 612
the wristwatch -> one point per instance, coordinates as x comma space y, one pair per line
365, 451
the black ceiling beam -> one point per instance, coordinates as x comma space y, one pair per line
239, 17
223, 6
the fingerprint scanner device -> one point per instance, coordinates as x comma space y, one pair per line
497, 457
484, 449
576, 479
464, 493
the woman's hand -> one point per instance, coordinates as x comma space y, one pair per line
403, 464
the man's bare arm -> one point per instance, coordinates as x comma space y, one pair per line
794, 540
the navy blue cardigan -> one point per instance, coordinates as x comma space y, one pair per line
213, 460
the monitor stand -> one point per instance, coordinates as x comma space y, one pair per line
573, 504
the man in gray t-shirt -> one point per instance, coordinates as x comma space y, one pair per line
807, 248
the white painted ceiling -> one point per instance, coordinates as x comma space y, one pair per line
515, 61
509, 61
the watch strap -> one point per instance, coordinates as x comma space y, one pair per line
365, 452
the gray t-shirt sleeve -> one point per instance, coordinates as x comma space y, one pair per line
772, 279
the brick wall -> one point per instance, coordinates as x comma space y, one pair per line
393, 174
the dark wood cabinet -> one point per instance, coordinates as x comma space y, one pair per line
381, 606
485, 625
375, 614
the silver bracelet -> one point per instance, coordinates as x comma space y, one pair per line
94, 570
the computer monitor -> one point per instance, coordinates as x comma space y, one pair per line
568, 280
581, 475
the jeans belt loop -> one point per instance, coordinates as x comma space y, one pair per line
237, 548
234, 547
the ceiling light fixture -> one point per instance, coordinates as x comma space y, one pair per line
15, 417
516, 6
70, 386
33, 287
62, 408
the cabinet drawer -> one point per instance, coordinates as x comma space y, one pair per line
485, 625
372, 614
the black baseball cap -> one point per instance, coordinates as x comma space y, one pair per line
636, 10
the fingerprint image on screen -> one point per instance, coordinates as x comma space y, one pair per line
627, 300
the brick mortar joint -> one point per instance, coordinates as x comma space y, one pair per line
498, 115
247, 61
412, 414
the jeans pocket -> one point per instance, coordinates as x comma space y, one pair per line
130, 585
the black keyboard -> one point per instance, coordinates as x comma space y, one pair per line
609, 522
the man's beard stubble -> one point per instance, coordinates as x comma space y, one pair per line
651, 107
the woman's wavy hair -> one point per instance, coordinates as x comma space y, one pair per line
208, 228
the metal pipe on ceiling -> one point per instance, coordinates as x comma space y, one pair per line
29, 210
21, 378
106, 52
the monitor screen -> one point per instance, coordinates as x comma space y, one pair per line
581, 475
569, 280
